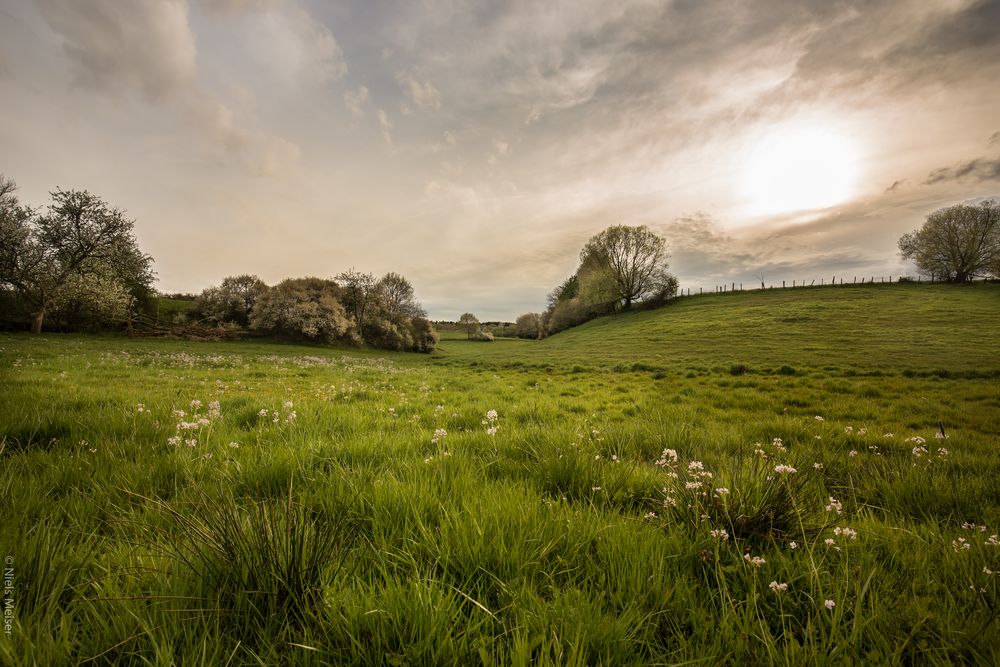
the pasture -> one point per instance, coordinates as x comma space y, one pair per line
798, 476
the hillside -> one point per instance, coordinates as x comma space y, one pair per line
888, 328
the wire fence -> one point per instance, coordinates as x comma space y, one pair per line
833, 281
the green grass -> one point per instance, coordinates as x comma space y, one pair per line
344, 534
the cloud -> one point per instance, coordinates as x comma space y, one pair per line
122, 46
385, 125
356, 100
295, 46
980, 169
995, 139
420, 93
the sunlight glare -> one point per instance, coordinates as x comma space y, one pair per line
800, 167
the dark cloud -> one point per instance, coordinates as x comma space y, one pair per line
995, 139
980, 169
115, 46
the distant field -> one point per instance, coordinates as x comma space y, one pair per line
348, 506
878, 327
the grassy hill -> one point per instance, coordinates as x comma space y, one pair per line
900, 327
611, 495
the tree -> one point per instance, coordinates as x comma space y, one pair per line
304, 307
232, 301
630, 261
357, 294
80, 242
529, 325
470, 323
396, 297
424, 336
956, 243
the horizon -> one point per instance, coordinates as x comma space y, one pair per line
474, 149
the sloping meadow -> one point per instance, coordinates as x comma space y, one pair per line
264, 504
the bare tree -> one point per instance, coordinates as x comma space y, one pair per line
957, 243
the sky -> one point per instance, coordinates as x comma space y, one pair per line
475, 146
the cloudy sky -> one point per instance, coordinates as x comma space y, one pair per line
474, 146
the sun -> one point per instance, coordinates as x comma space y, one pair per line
800, 167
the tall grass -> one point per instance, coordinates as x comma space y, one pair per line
384, 525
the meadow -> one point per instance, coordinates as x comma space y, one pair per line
799, 477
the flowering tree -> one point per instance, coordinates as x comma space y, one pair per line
306, 307
957, 243
80, 249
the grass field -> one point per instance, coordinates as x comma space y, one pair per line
798, 476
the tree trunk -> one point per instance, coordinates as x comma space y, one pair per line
36, 321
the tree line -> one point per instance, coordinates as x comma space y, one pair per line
354, 308
78, 261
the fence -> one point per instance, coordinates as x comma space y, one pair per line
797, 284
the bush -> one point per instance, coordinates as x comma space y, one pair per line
482, 337
529, 326
425, 338
304, 308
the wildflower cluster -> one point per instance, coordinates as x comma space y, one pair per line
490, 422
190, 431
285, 415
777, 446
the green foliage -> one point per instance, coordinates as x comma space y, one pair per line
957, 243
354, 507
79, 260
304, 307
232, 301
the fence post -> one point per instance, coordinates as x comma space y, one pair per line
741, 287
782, 284
855, 280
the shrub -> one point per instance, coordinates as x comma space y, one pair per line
529, 325
304, 307
482, 337
425, 338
